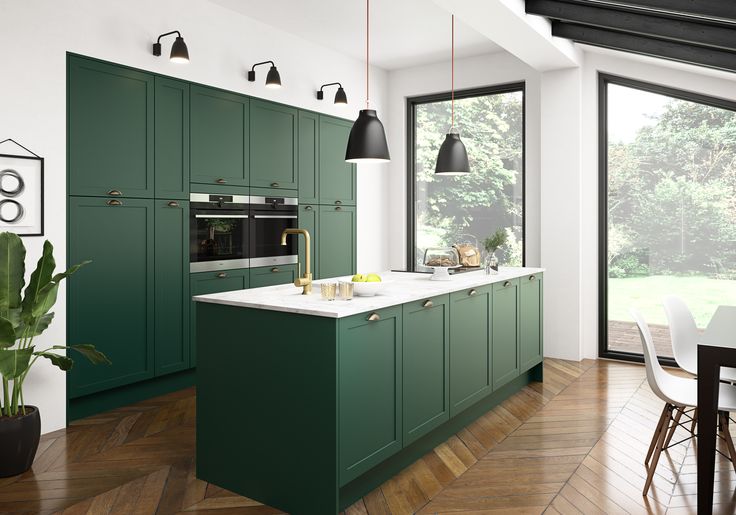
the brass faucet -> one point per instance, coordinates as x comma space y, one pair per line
305, 281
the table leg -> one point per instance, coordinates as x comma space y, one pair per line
708, 378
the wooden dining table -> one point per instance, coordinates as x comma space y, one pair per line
716, 349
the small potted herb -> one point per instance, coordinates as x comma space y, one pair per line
492, 244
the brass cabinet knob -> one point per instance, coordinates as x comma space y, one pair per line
338, 208
113, 202
338, 202
531, 277
173, 203
428, 304
221, 181
472, 292
114, 193
374, 317
506, 284
308, 208
221, 275
274, 184
275, 269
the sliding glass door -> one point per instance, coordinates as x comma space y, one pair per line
668, 208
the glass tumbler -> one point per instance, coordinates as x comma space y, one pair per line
328, 290
346, 290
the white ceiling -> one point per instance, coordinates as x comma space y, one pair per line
404, 33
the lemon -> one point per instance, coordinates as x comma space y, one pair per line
373, 278
359, 278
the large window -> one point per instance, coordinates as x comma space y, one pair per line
447, 210
668, 208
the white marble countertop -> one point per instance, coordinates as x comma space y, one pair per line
397, 288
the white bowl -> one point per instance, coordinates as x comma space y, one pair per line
366, 289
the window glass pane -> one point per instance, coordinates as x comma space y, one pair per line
469, 208
671, 211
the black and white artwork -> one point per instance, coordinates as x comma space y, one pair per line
21, 194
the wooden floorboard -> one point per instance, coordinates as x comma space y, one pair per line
571, 445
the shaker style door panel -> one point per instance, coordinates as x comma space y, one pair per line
308, 158
309, 220
172, 139
530, 314
272, 275
273, 145
505, 332
337, 241
111, 130
337, 179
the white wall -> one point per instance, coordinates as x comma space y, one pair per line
34, 38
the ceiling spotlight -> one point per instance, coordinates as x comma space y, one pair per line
179, 51
273, 79
340, 96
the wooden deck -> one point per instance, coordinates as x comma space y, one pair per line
573, 444
624, 336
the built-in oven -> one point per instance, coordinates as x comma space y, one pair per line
269, 217
219, 232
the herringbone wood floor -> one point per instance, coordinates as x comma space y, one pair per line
571, 445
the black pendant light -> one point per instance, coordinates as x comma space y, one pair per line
273, 79
179, 50
452, 158
367, 141
340, 96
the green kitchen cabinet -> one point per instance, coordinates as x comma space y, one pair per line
308, 158
470, 339
273, 145
219, 139
204, 283
111, 300
110, 130
505, 322
337, 179
369, 382
309, 220
530, 321
426, 366
171, 279
171, 140
272, 275
337, 241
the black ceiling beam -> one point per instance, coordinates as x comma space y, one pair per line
675, 51
693, 32
721, 9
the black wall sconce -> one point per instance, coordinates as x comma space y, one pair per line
340, 96
273, 79
179, 50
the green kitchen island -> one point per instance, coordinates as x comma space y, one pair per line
306, 405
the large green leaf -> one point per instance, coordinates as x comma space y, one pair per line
41, 323
7, 333
13, 363
12, 270
88, 351
39, 278
63, 362
63, 275
45, 300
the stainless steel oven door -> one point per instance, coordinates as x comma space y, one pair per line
219, 230
269, 217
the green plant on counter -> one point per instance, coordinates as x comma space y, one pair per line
495, 241
23, 317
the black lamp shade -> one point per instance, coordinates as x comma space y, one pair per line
452, 158
367, 141
179, 51
273, 79
340, 96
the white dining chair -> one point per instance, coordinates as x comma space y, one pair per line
685, 336
680, 395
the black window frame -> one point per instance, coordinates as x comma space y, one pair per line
604, 79
411, 103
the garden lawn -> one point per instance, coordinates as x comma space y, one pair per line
702, 295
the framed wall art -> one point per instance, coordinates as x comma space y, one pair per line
21, 192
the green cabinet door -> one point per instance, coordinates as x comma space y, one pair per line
369, 382
308, 158
218, 137
111, 129
111, 300
470, 360
337, 241
204, 283
273, 145
505, 323
337, 179
530, 321
172, 139
272, 275
426, 366
171, 278
309, 220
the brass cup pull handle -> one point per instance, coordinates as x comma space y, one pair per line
472, 292
113, 202
506, 284
308, 208
374, 317
275, 269
338, 208
221, 181
531, 277
338, 202
221, 275
428, 304
173, 203
274, 184
114, 193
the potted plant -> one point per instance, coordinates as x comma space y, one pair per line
492, 244
22, 318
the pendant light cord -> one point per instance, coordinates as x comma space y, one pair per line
452, 122
367, 52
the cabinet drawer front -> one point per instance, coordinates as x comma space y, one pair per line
172, 139
272, 275
426, 326
337, 179
111, 129
530, 315
470, 361
369, 386
273, 145
505, 323
111, 300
